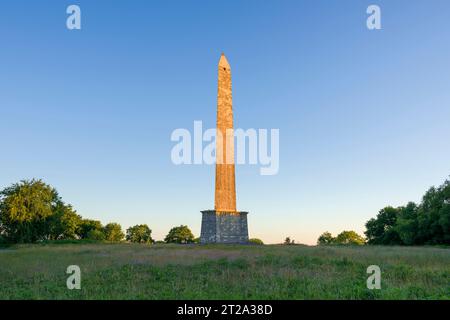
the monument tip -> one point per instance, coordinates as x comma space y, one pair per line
223, 62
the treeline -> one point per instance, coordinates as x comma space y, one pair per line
427, 223
32, 211
345, 237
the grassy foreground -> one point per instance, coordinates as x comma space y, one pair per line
129, 271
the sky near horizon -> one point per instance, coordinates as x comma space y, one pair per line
363, 115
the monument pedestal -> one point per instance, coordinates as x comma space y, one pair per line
224, 227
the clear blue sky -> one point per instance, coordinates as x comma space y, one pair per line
364, 116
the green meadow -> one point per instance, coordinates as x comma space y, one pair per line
133, 271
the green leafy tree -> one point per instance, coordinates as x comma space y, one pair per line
381, 230
96, 234
434, 216
139, 234
87, 225
407, 225
256, 241
25, 209
426, 223
326, 238
349, 237
113, 232
64, 223
181, 234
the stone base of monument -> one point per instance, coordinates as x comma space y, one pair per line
224, 227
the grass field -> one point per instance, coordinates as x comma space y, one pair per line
130, 271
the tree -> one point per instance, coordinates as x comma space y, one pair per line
181, 234
25, 208
33, 211
326, 238
96, 234
288, 241
113, 232
87, 225
426, 223
139, 234
381, 230
64, 223
407, 225
349, 237
434, 216
256, 241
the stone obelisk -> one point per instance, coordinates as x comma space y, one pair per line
224, 224
225, 195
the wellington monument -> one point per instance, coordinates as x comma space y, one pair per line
224, 224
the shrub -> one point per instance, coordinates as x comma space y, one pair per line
256, 241
181, 234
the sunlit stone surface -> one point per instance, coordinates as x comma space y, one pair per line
224, 224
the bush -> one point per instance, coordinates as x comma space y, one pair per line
288, 241
256, 241
3, 241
